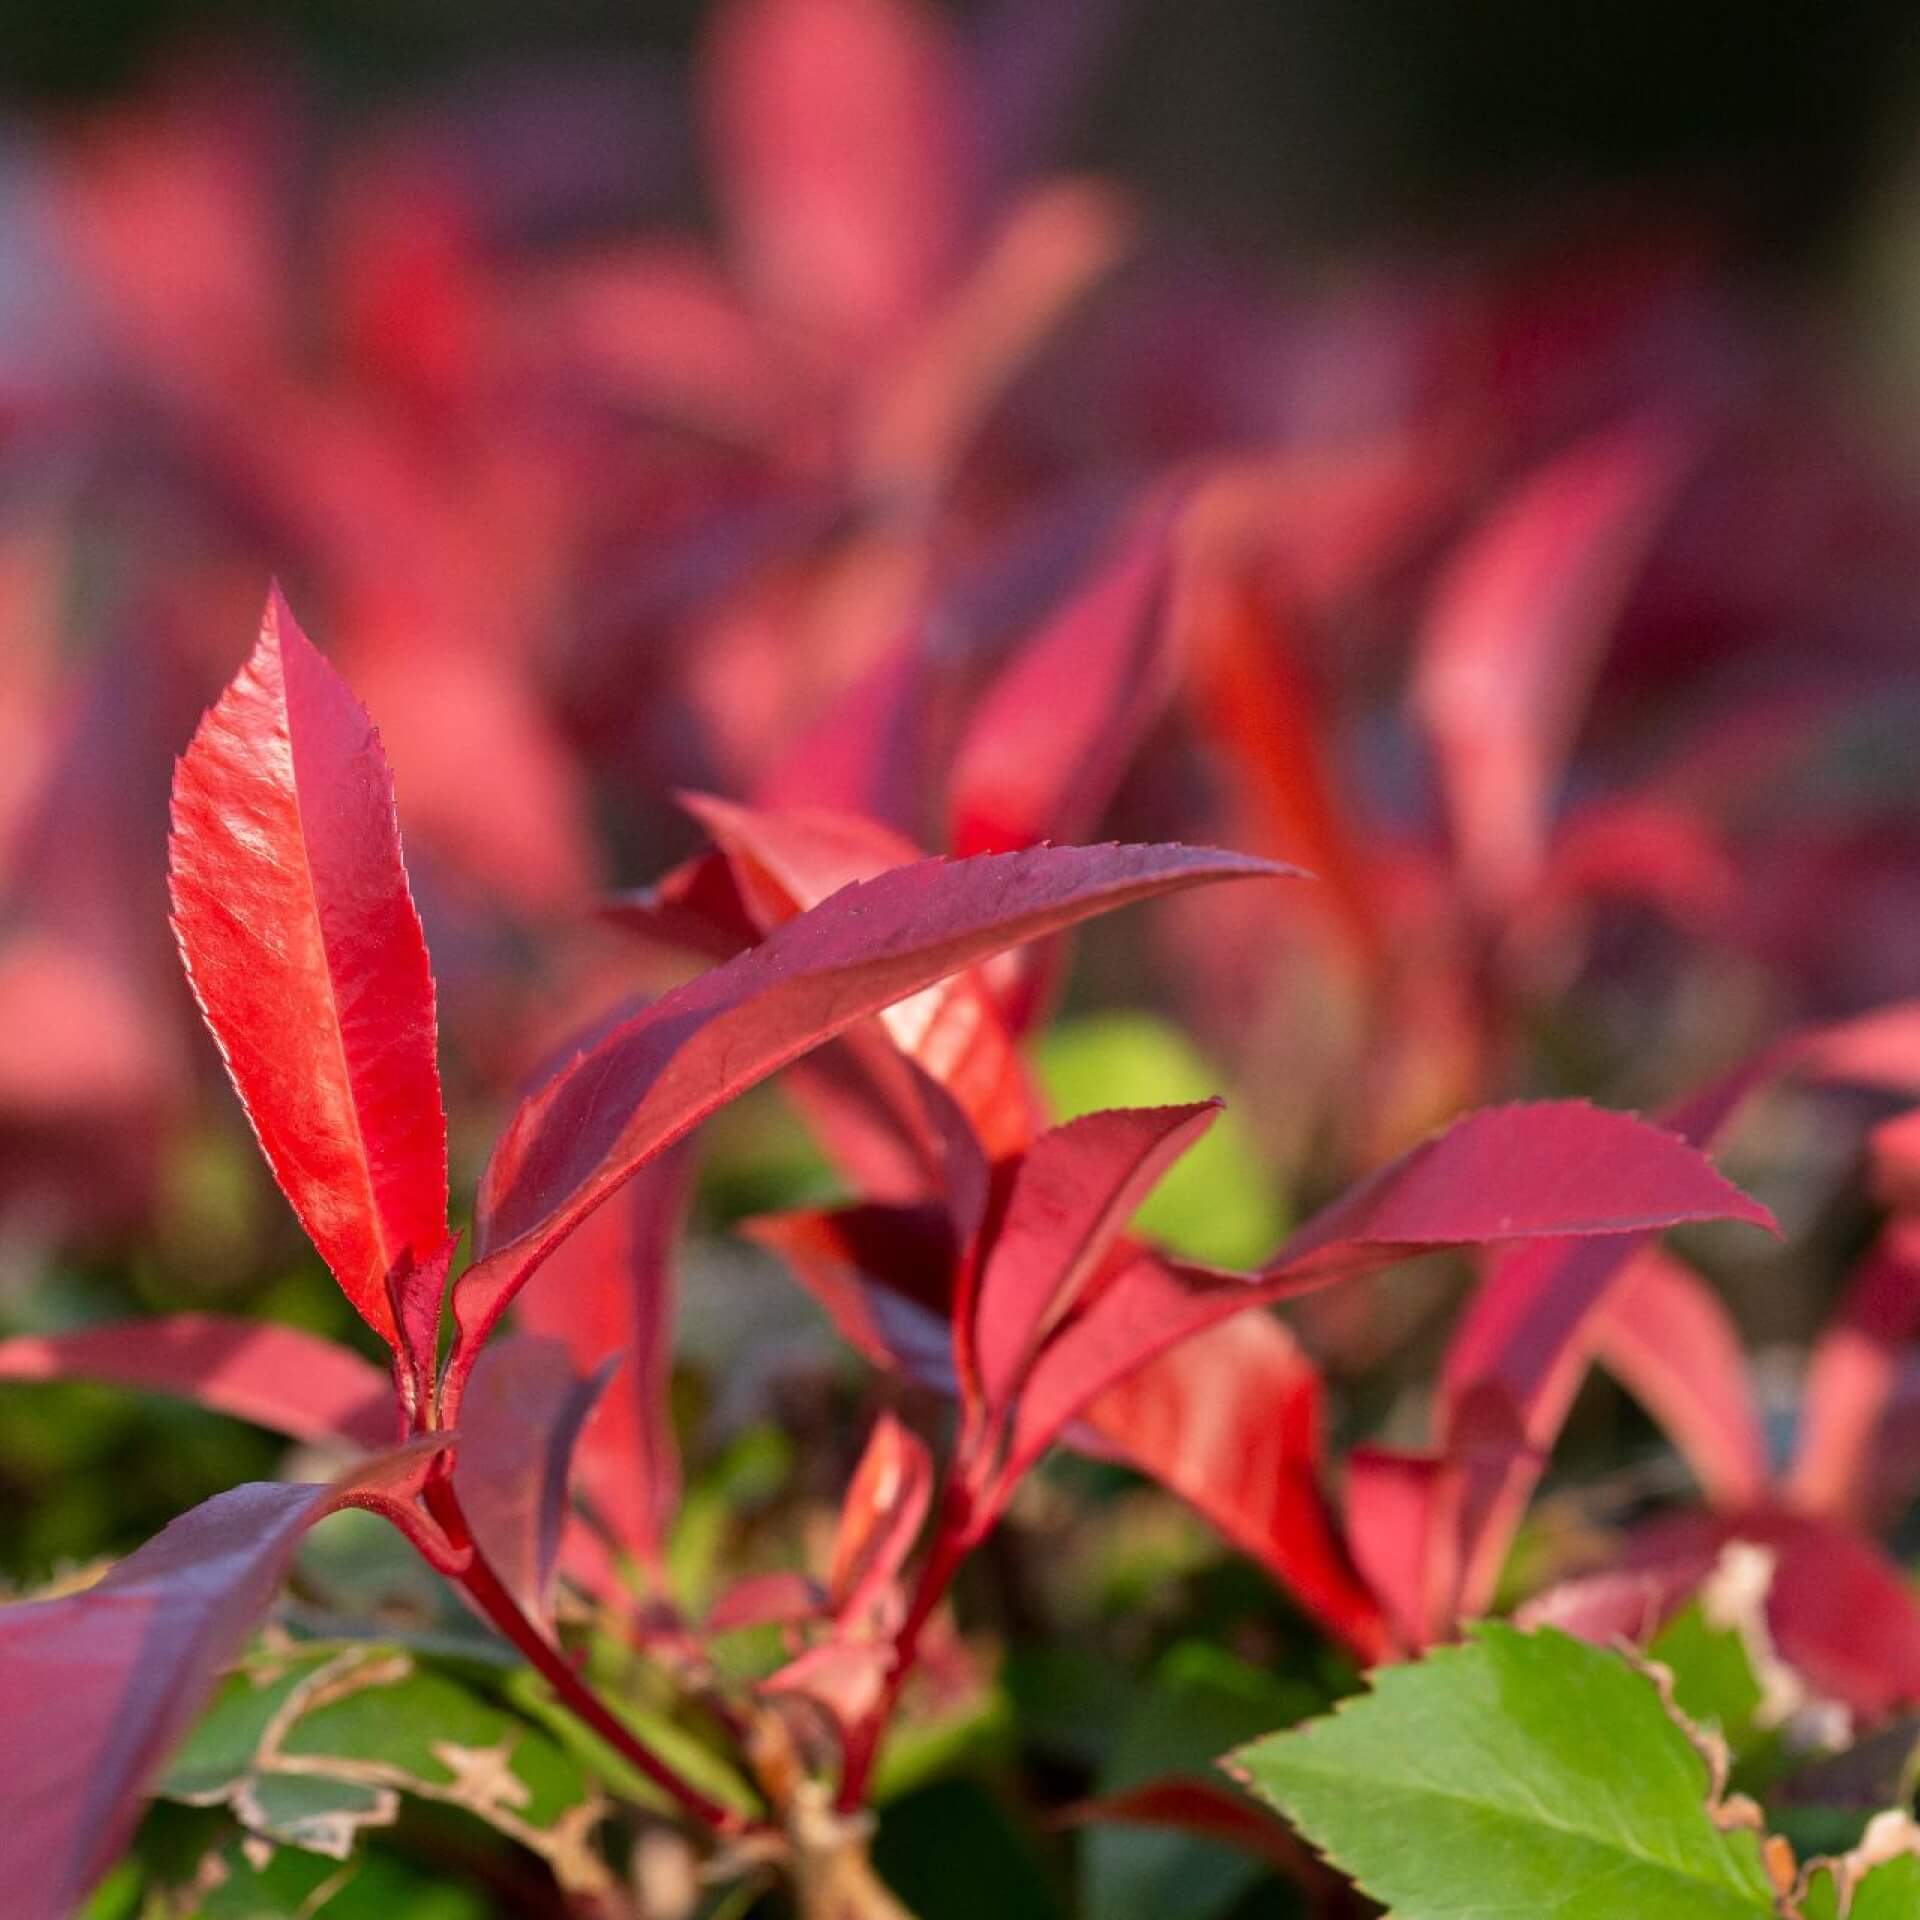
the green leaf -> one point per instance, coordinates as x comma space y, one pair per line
312, 1746
1715, 1686
1220, 1202
1517, 1774
1889, 1892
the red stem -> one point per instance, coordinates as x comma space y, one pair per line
490, 1594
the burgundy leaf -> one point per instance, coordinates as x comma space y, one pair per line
1515, 635
885, 1276
278, 1377
1663, 1334
654, 1077
1072, 1196
101, 1684
880, 1519
526, 1405
301, 941
609, 1295
1231, 1421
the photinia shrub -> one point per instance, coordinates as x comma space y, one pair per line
986, 1254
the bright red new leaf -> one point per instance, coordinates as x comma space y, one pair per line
300, 938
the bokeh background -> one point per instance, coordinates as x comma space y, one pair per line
638, 398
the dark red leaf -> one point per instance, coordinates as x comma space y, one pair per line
301, 941
654, 1077
609, 1295
101, 1684
526, 1405
784, 863
278, 1377
885, 1276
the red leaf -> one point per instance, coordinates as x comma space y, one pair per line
1211, 1811
1514, 639
609, 1295
885, 1276
1402, 1520
100, 1685
1072, 1196
526, 1405
880, 1519
1520, 1337
786, 862
1048, 742
301, 941
767, 1600
1257, 703
278, 1377
1231, 1422
1663, 1334
837, 133
653, 1078
1549, 1169
1853, 1378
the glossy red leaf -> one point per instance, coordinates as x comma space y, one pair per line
654, 1077
608, 1294
526, 1405
1231, 1421
1664, 1335
767, 1600
305, 953
880, 1519
1072, 1196
1514, 639
101, 1684
1045, 747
